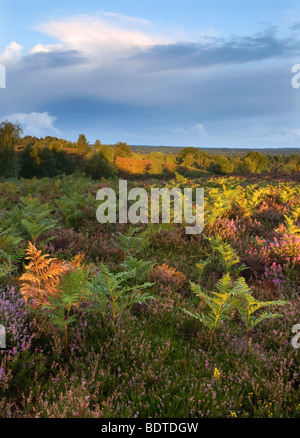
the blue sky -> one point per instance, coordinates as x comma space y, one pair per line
183, 73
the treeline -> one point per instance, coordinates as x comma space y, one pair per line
240, 152
28, 157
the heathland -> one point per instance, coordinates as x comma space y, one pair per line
115, 320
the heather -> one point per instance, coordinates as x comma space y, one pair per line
116, 320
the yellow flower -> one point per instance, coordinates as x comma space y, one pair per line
269, 407
217, 375
233, 414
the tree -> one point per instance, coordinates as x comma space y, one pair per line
36, 161
82, 145
169, 158
28, 167
96, 167
237, 165
122, 150
221, 165
260, 161
193, 157
248, 166
203, 160
9, 137
105, 150
187, 156
65, 162
156, 168
29, 140
10, 133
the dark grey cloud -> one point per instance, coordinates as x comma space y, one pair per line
209, 52
56, 59
214, 51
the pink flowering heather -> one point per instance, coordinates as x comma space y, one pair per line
14, 317
284, 251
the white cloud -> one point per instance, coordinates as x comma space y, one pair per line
42, 48
195, 131
35, 124
104, 34
199, 130
12, 52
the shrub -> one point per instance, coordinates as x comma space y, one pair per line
96, 167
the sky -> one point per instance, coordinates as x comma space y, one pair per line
149, 72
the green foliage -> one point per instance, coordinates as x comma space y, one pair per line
96, 167
82, 144
9, 136
290, 226
217, 203
221, 165
105, 150
156, 168
9, 133
194, 157
228, 298
8, 161
247, 305
247, 166
223, 256
253, 196
139, 269
42, 161
130, 243
71, 292
219, 304
260, 161
71, 207
112, 292
226, 255
122, 149
31, 218
10, 252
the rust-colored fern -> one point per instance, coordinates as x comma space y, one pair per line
42, 277
76, 262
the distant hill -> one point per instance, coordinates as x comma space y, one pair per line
214, 151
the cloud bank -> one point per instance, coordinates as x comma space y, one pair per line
111, 74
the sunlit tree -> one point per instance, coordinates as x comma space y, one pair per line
9, 137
